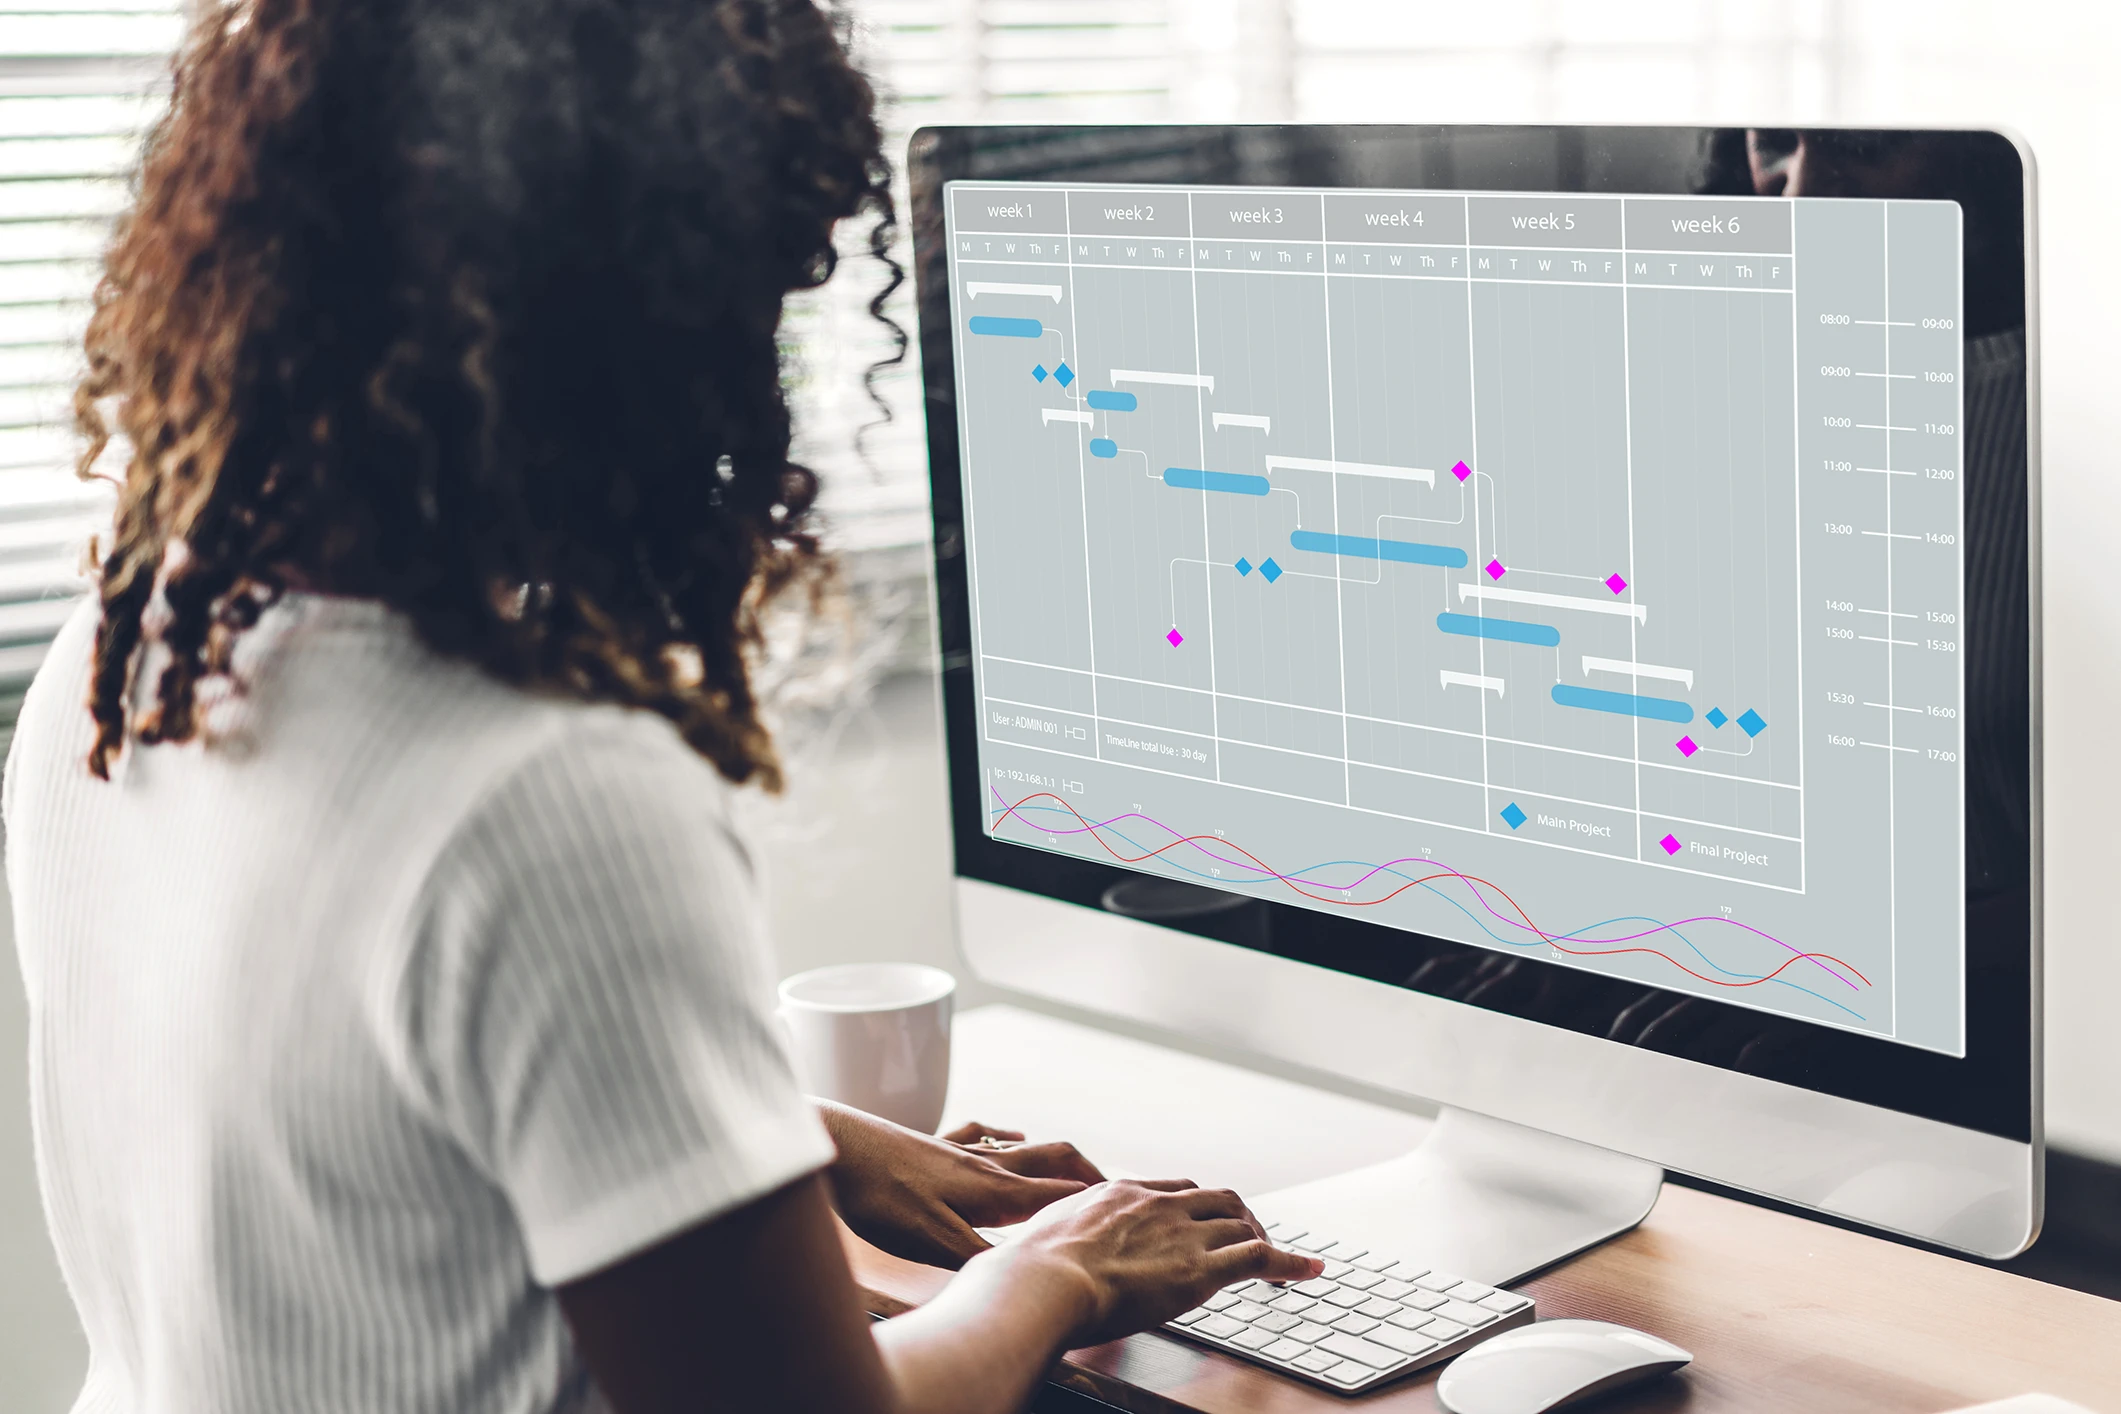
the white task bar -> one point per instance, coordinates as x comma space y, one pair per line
1175, 380
1393, 473
1051, 415
1553, 601
976, 288
1242, 419
1638, 670
1451, 679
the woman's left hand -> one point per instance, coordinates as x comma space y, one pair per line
920, 1197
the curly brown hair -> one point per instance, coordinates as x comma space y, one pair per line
470, 307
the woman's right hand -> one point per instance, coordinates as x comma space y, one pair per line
1147, 1251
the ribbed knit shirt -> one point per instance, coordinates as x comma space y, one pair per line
359, 1027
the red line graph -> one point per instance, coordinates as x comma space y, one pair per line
1473, 880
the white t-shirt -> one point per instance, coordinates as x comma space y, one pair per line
356, 1031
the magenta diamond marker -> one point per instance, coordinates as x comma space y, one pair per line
1461, 471
1615, 583
1495, 569
1686, 746
1671, 846
1174, 638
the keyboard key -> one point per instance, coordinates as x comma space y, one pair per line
1347, 1347
1346, 1251
1391, 1289
1436, 1281
1374, 1263
1276, 1321
1316, 1286
1220, 1301
1409, 1320
1285, 1233
1309, 1242
1461, 1312
1504, 1302
1345, 1299
1405, 1342
1361, 1281
1376, 1308
1220, 1327
1406, 1271
1253, 1339
1285, 1350
1292, 1303
1250, 1311
1316, 1361
1423, 1300
1441, 1330
1470, 1291
1198, 1313
1354, 1324
1310, 1332
1348, 1372
1336, 1269
1254, 1290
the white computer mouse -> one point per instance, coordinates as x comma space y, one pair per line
1551, 1364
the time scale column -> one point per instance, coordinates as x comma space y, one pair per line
1879, 362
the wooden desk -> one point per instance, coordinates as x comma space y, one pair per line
1780, 1313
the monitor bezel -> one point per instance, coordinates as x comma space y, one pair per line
1994, 1088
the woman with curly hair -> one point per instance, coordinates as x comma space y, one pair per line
400, 1021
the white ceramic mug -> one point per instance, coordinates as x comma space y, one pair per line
874, 1035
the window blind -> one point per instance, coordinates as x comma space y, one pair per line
79, 82
945, 61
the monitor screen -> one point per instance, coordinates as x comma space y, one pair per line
1567, 575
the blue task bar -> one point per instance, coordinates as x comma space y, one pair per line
1237, 483
1103, 447
1105, 400
1623, 704
1406, 552
1508, 630
1006, 328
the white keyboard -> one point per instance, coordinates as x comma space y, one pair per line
1369, 1318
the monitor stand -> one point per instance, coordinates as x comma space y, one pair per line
1480, 1197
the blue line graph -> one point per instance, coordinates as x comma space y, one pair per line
1221, 878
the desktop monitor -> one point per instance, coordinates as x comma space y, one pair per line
1537, 619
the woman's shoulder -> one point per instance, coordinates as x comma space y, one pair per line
584, 788
53, 726
340, 671
336, 708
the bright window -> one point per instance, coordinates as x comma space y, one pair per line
79, 81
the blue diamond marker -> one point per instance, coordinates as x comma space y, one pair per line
1753, 722
1269, 571
1064, 375
1244, 567
1038, 371
1512, 816
1716, 717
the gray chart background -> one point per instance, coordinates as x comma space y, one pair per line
1755, 428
